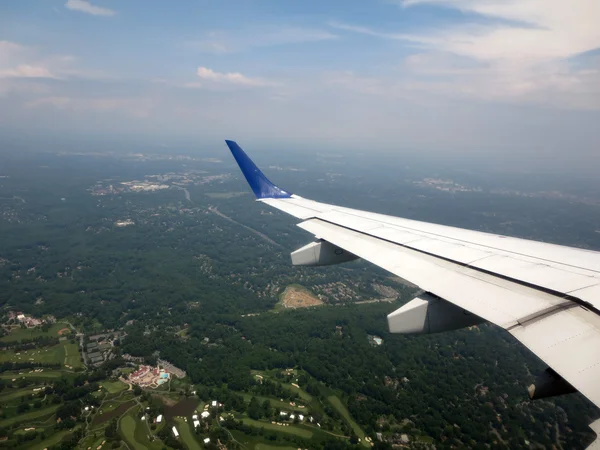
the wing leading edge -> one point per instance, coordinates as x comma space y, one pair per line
546, 295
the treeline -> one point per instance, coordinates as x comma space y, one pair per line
29, 344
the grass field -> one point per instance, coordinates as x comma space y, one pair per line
274, 402
301, 432
18, 334
114, 387
303, 395
64, 353
30, 416
341, 408
261, 446
256, 442
72, 355
50, 374
52, 440
11, 394
187, 436
54, 354
127, 426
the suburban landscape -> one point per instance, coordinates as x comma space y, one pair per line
150, 303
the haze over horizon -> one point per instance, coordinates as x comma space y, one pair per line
492, 78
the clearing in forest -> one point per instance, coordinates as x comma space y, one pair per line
296, 296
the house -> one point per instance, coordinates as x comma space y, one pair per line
213, 403
207, 440
205, 414
175, 432
159, 418
196, 423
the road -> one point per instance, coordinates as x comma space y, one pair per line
258, 233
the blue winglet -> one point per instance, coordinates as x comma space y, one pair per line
261, 186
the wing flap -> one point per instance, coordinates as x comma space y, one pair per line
569, 342
489, 297
547, 274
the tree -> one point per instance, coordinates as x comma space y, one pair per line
254, 409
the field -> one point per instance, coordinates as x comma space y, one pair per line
186, 435
72, 355
274, 402
303, 395
301, 432
261, 446
30, 416
127, 426
112, 413
45, 375
341, 408
52, 440
64, 353
10, 394
18, 334
114, 387
296, 296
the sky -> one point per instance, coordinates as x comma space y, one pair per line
487, 78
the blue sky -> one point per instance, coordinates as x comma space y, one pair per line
464, 76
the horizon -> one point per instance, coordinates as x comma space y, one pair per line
459, 80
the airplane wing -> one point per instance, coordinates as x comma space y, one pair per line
545, 295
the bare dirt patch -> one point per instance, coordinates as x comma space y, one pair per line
298, 297
63, 331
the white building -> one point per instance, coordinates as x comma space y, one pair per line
159, 418
175, 432
196, 423
214, 403
207, 440
205, 414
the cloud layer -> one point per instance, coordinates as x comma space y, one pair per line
86, 7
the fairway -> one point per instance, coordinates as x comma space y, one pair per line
48, 355
38, 375
303, 395
261, 446
341, 408
114, 387
72, 356
18, 334
28, 417
186, 435
52, 440
10, 394
307, 434
64, 353
274, 402
127, 426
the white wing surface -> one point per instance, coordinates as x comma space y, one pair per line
545, 295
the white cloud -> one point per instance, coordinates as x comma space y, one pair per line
267, 36
27, 71
235, 78
523, 52
86, 7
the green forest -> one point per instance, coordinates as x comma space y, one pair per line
200, 288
